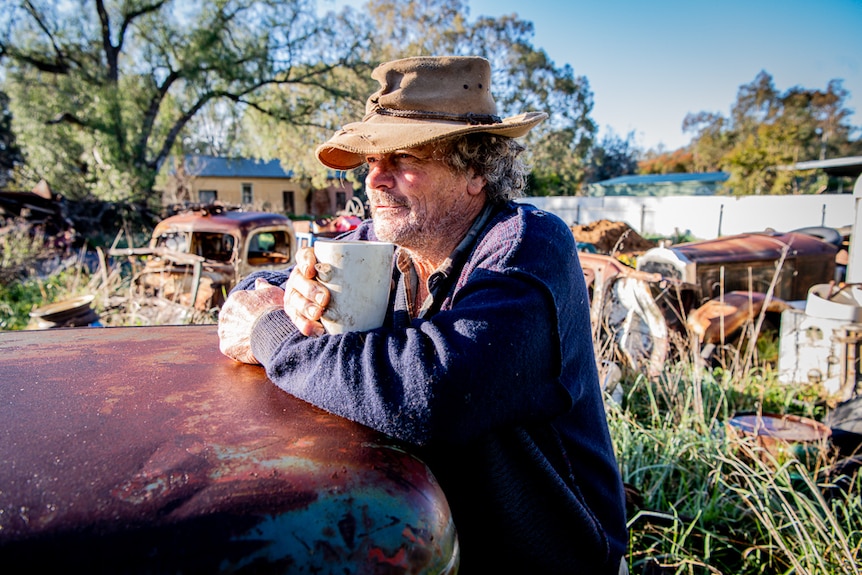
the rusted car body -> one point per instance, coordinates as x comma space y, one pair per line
700, 293
727, 282
785, 264
144, 450
196, 257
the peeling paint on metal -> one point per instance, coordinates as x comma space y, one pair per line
145, 450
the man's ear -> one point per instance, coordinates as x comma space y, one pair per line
475, 184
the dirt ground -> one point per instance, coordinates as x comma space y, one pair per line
608, 236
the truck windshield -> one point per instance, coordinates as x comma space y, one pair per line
213, 246
174, 241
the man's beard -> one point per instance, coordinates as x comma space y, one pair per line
397, 229
403, 231
415, 232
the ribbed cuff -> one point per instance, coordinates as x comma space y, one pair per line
268, 332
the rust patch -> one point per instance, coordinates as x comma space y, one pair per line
146, 448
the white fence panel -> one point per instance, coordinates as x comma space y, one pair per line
705, 217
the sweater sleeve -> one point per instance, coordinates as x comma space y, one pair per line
487, 362
489, 358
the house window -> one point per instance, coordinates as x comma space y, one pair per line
207, 196
247, 194
288, 201
340, 200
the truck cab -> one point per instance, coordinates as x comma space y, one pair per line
196, 257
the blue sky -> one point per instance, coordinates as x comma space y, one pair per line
651, 63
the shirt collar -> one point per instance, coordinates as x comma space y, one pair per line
441, 279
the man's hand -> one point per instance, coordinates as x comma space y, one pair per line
238, 314
305, 299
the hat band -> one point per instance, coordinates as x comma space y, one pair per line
470, 118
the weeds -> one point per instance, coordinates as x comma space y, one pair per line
702, 500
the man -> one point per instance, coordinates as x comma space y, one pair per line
485, 363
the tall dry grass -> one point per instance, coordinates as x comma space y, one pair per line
704, 499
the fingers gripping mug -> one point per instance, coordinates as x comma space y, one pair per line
358, 275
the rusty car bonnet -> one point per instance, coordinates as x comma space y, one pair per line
144, 450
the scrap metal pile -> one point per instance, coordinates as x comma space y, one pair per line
697, 296
196, 256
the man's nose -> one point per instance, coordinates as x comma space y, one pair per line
379, 174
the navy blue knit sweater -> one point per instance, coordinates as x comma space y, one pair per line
497, 392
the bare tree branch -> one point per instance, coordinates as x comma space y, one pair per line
66, 118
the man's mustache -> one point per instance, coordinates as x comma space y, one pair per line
384, 199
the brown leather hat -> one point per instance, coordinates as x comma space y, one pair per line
422, 100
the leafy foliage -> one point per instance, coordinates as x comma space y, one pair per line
103, 90
524, 79
675, 162
767, 131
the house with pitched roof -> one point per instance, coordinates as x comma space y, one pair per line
255, 184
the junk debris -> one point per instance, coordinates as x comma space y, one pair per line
699, 294
784, 264
195, 257
72, 312
822, 343
39, 207
624, 313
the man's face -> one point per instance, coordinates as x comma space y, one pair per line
415, 198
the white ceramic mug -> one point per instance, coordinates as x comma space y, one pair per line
358, 275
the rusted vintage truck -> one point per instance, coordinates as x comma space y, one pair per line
197, 256
700, 293
143, 450
787, 264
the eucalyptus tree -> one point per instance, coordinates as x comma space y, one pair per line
10, 153
525, 78
103, 90
768, 131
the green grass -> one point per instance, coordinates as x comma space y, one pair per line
708, 501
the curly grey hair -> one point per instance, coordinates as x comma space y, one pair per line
496, 158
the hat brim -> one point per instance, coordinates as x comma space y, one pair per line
383, 135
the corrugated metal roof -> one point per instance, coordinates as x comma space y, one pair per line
211, 166
217, 167
653, 179
847, 166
